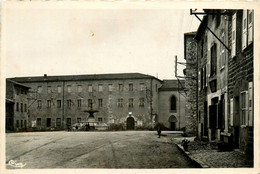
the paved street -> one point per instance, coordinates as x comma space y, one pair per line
126, 149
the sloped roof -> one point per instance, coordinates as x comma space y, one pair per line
84, 77
16, 83
169, 85
191, 33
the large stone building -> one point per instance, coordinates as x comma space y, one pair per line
225, 77
16, 105
130, 100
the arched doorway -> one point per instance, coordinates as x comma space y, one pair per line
130, 123
172, 120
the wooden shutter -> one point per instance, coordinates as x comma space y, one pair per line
244, 29
250, 104
199, 86
207, 74
202, 77
233, 47
246, 98
250, 26
231, 112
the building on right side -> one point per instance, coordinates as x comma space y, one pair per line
241, 79
225, 77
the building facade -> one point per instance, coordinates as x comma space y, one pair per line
16, 106
172, 105
225, 77
57, 102
241, 79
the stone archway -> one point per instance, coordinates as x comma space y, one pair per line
172, 121
130, 123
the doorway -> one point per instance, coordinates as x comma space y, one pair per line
173, 126
172, 120
130, 123
236, 122
48, 123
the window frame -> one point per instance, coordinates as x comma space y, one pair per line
48, 103
100, 102
90, 101
120, 87
49, 89
131, 87
69, 103
131, 102
100, 87
110, 87
39, 104
120, 102
233, 35
58, 123
69, 88
59, 88
90, 88
59, 104
38, 122
17, 106
141, 102
79, 103
79, 88
173, 104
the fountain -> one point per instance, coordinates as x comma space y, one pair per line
91, 121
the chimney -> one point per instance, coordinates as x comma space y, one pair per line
45, 77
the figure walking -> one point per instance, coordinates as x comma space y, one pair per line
159, 131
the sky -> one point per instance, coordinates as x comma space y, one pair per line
71, 41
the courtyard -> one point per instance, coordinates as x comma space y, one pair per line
122, 149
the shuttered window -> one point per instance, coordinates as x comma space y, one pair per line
222, 52
233, 42
199, 79
244, 108
244, 29
213, 60
231, 112
250, 26
250, 104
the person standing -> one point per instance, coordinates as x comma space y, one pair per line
159, 131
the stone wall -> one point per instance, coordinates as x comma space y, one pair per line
190, 52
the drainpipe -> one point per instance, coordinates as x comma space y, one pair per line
179, 107
197, 91
151, 102
63, 108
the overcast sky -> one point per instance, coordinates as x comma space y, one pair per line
71, 41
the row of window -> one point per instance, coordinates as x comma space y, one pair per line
247, 38
58, 121
247, 30
20, 91
70, 103
21, 107
90, 88
22, 125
